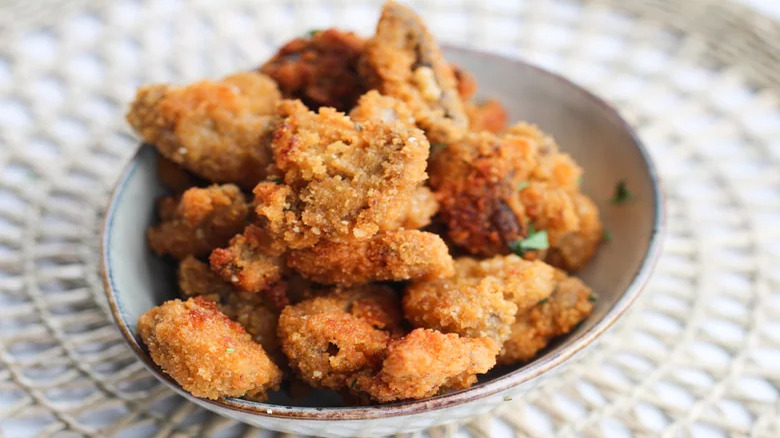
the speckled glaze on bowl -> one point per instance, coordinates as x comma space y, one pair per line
585, 126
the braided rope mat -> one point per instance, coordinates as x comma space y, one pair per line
699, 355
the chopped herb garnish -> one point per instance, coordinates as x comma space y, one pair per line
313, 32
622, 194
522, 186
542, 301
438, 146
607, 236
535, 240
230, 350
507, 398
358, 126
592, 297
278, 181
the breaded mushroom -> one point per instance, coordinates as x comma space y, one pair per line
425, 363
328, 338
387, 256
217, 130
205, 352
493, 189
404, 61
482, 299
252, 261
201, 220
320, 70
569, 304
340, 179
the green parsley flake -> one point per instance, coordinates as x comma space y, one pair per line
535, 240
313, 32
542, 301
438, 146
358, 126
230, 350
607, 236
592, 297
522, 186
278, 181
622, 194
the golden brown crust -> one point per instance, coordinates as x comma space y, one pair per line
329, 338
569, 304
476, 183
217, 130
201, 220
491, 189
391, 255
421, 208
481, 299
205, 352
257, 314
320, 70
489, 115
425, 363
251, 262
340, 179
403, 60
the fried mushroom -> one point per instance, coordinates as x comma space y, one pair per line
201, 220
404, 61
425, 363
205, 352
330, 337
387, 256
217, 130
339, 179
482, 299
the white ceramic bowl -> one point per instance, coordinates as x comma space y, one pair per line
583, 125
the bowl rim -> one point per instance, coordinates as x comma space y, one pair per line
492, 387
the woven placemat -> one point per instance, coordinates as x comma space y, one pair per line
698, 355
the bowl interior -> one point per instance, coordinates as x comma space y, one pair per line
582, 125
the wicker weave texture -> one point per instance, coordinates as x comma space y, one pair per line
699, 355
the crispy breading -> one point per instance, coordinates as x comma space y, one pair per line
201, 220
489, 115
321, 69
257, 314
340, 180
390, 255
491, 189
476, 181
328, 338
252, 262
217, 130
420, 209
373, 106
205, 352
425, 363
404, 61
569, 304
481, 299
